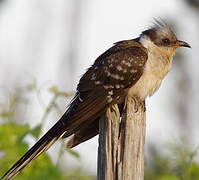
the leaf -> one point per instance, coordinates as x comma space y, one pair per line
6, 114
54, 90
57, 92
36, 131
73, 153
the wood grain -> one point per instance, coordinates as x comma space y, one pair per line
121, 142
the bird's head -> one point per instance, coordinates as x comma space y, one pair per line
160, 36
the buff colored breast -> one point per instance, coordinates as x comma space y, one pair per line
156, 68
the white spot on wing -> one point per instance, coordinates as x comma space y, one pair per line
116, 76
110, 99
108, 86
119, 68
117, 86
134, 70
93, 77
98, 82
110, 92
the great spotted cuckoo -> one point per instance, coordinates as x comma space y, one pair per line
135, 67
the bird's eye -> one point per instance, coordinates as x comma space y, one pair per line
166, 41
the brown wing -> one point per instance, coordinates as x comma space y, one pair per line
101, 86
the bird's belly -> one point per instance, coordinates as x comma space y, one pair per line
146, 86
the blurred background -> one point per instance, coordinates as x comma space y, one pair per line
45, 47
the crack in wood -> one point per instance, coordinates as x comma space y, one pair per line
121, 142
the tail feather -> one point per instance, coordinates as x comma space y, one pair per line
84, 134
41, 146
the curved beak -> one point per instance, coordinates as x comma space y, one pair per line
183, 44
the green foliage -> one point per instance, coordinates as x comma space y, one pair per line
179, 164
12, 135
13, 147
73, 153
36, 131
77, 176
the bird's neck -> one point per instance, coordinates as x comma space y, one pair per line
165, 53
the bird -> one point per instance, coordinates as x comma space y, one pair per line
135, 67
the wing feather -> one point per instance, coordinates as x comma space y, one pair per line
94, 96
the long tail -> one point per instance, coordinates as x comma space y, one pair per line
41, 146
78, 116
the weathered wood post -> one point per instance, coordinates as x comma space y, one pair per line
121, 142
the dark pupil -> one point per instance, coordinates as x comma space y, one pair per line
166, 41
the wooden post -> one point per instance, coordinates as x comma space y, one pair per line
121, 142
